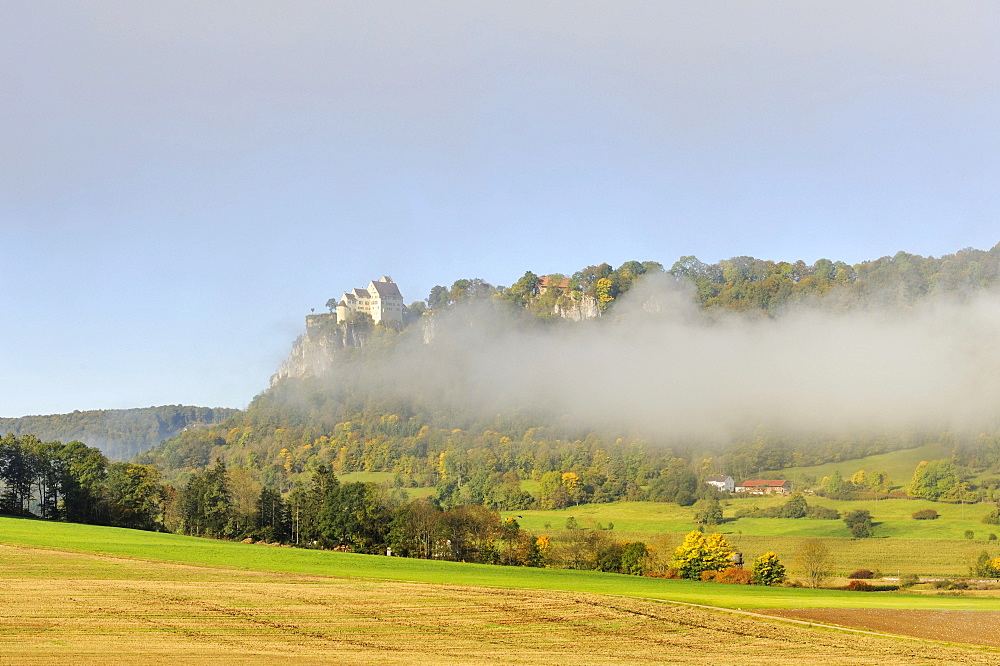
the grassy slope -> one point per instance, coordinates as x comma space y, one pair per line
190, 550
899, 465
903, 545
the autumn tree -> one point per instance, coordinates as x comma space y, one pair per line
814, 559
767, 570
701, 552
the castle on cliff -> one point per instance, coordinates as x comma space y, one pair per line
381, 300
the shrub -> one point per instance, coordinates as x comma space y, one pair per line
733, 576
993, 517
708, 575
865, 574
969, 534
926, 514
823, 513
909, 580
858, 586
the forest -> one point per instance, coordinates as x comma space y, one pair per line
270, 473
119, 433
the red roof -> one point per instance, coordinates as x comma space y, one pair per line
558, 283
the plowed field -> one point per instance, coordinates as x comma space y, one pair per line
978, 627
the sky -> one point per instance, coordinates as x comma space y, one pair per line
181, 182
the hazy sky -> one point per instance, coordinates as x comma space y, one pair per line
180, 182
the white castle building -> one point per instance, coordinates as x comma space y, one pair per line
381, 300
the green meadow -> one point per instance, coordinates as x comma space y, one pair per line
901, 544
161, 547
899, 465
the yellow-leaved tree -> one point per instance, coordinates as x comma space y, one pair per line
701, 552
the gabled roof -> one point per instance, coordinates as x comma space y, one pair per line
774, 484
386, 289
718, 478
361, 293
559, 283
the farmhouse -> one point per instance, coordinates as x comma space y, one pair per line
780, 487
723, 483
381, 300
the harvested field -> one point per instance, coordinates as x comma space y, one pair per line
976, 627
76, 608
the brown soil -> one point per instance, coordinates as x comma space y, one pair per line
976, 627
63, 608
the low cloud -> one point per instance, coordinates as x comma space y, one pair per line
656, 364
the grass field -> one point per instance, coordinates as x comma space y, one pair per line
191, 550
899, 465
902, 545
140, 597
383, 477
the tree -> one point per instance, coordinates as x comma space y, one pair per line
859, 521
701, 553
933, 480
814, 559
767, 570
795, 507
331, 304
604, 289
134, 495
709, 512
633, 558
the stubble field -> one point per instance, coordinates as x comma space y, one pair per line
60, 607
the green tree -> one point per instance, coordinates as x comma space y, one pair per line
708, 512
701, 552
767, 570
933, 480
134, 496
859, 521
633, 558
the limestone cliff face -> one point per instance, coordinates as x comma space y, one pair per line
577, 310
313, 352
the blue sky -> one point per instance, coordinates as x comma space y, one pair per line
181, 182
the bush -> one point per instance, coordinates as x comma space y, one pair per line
969, 534
708, 575
909, 580
733, 576
858, 586
992, 518
926, 514
862, 574
823, 513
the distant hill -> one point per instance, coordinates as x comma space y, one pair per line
119, 433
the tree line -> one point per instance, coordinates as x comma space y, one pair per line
77, 483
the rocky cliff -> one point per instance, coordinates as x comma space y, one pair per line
313, 352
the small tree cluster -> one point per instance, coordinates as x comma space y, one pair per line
926, 514
859, 522
701, 552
